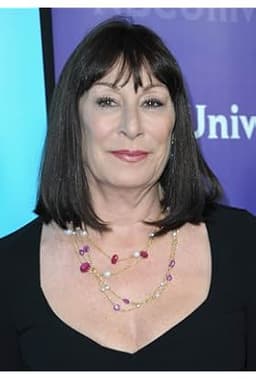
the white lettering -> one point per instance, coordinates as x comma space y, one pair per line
214, 120
217, 14
200, 121
218, 126
234, 120
139, 12
234, 14
192, 14
223, 15
248, 13
249, 125
166, 13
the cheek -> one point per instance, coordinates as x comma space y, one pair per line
95, 131
161, 133
162, 139
161, 127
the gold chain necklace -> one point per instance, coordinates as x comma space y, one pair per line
120, 303
114, 258
85, 250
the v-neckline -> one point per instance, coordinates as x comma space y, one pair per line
173, 330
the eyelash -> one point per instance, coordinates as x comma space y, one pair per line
154, 103
106, 101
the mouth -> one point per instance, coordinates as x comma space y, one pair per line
130, 155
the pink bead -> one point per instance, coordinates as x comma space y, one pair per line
114, 259
126, 301
169, 277
172, 263
143, 253
85, 267
84, 249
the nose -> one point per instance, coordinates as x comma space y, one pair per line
131, 123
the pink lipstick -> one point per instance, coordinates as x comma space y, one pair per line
130, 155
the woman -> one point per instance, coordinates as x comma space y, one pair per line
131, 264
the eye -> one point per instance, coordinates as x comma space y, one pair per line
105, 101
152, 103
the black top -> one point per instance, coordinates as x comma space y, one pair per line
219, 335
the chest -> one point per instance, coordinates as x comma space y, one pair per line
77, 300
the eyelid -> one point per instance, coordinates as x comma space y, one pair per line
105, 97
155, 100
106, 101
153, 97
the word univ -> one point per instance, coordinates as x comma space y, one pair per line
219, 126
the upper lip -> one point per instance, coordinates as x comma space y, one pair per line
130, 152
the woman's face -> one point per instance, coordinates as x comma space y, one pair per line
126, 134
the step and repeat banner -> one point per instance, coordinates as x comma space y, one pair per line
23, 115
216, 50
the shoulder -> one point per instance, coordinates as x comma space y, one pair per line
232, 229
19, 259
23, 238
230, 218
232, 233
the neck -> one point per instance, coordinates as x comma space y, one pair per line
125, 209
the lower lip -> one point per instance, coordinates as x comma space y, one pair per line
130, 158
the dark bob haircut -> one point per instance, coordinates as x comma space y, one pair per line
187, 183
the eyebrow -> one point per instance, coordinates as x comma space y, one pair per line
112, 86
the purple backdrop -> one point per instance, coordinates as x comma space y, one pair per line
216, 50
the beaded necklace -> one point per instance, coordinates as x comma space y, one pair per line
118, 302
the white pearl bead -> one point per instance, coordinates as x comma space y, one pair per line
162, 284
107, 274
151, 235
68, 231
157, 294
136, 254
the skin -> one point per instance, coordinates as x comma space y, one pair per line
119, 118
125, 193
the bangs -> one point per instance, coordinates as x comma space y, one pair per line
130, 53
127, 69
